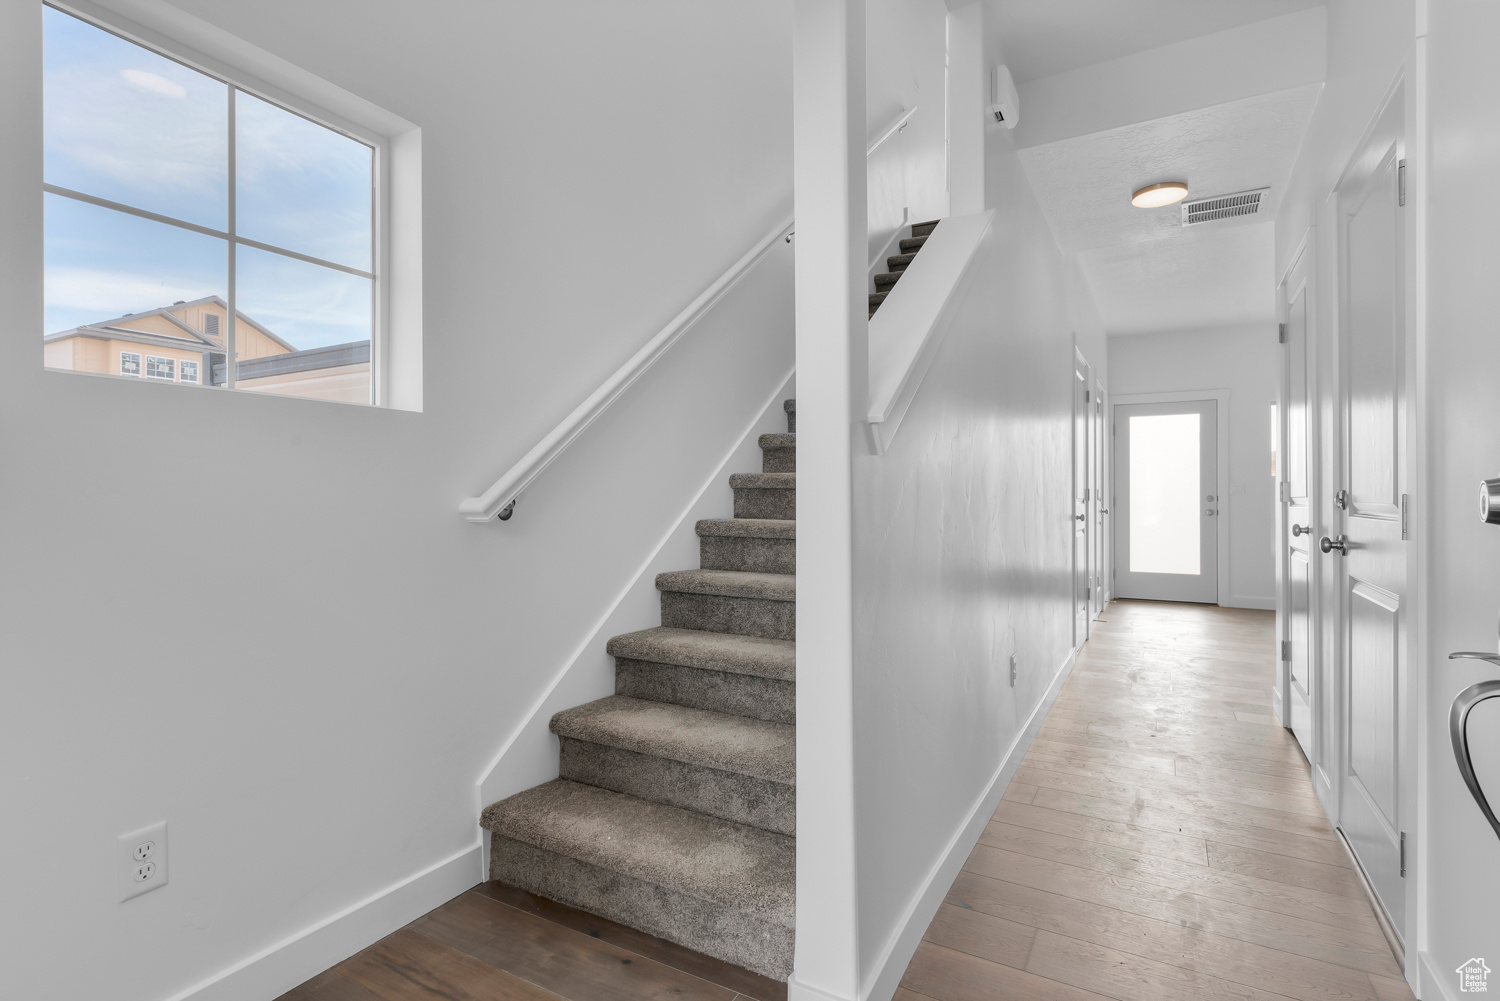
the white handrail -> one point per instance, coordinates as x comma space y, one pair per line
497, 501
892, 129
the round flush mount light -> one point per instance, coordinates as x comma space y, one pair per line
1154, 196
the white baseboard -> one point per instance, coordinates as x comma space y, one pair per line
1248, 601
301, 956
902, 945
796, 990
1431, 985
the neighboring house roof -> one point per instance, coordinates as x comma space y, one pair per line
115, 331
313, 359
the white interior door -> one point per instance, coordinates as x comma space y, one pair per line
1080, 511
1099, 510
1298, 542
1372, 562
1166, 501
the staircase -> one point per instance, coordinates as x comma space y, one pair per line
675, 809
899, 263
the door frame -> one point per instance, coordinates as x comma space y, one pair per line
1082, 372
1221, 472
1305, 255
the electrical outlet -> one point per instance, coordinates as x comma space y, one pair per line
142, 864
1012, 670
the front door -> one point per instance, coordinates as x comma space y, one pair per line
1372, 561
1298, 542
1166, 499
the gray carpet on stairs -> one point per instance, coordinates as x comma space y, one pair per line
677, 797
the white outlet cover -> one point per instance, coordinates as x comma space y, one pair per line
153, 844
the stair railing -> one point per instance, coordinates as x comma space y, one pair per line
499, 501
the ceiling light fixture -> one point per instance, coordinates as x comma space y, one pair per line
1154, 196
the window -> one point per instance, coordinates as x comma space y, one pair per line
181, 207
1164, 478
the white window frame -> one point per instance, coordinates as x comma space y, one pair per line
171, 363
396, 216
140, 366
197, 379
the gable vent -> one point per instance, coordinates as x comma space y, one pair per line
1201, 210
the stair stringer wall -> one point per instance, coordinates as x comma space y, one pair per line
529, 755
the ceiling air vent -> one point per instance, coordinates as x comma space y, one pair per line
1201, 210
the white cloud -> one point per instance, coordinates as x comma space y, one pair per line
110, 293
155, 84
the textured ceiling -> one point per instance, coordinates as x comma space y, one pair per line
1206, 277
1042, 37
1147, 272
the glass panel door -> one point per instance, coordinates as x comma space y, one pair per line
1167, 493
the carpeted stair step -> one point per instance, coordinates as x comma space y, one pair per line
740, 675
730, 601
731, 767
876, 298
724, 889
765, 495
884, 283
900, 262
924, 228
912, 244
762, 545
778, 453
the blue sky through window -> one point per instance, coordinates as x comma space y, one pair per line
131, 126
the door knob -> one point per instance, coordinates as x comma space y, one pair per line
1104, 510
1080, 517
1208, 511
1300, 530
1329, 545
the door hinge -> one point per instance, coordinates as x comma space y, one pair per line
1401, 183
1405, 519
1088, 395
1403, 854
1342, 500
1286, 492
1286, 650
1281, 333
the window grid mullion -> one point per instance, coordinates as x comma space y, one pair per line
230, 360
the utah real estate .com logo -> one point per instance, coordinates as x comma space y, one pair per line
1471, 976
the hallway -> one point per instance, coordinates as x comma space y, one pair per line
1160, 840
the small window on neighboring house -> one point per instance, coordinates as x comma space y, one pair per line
171, 193
130, 364
189, 372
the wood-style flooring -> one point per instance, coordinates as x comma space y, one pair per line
1161, 840
497, 943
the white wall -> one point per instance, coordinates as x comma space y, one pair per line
905, 45
1242, 360
1459, 853
962, 556
308, 684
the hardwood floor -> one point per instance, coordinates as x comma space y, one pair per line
1161, 840
497, 943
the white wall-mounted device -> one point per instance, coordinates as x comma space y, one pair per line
1005, 104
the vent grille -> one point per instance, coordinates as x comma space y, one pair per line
1233, 206
211, 324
